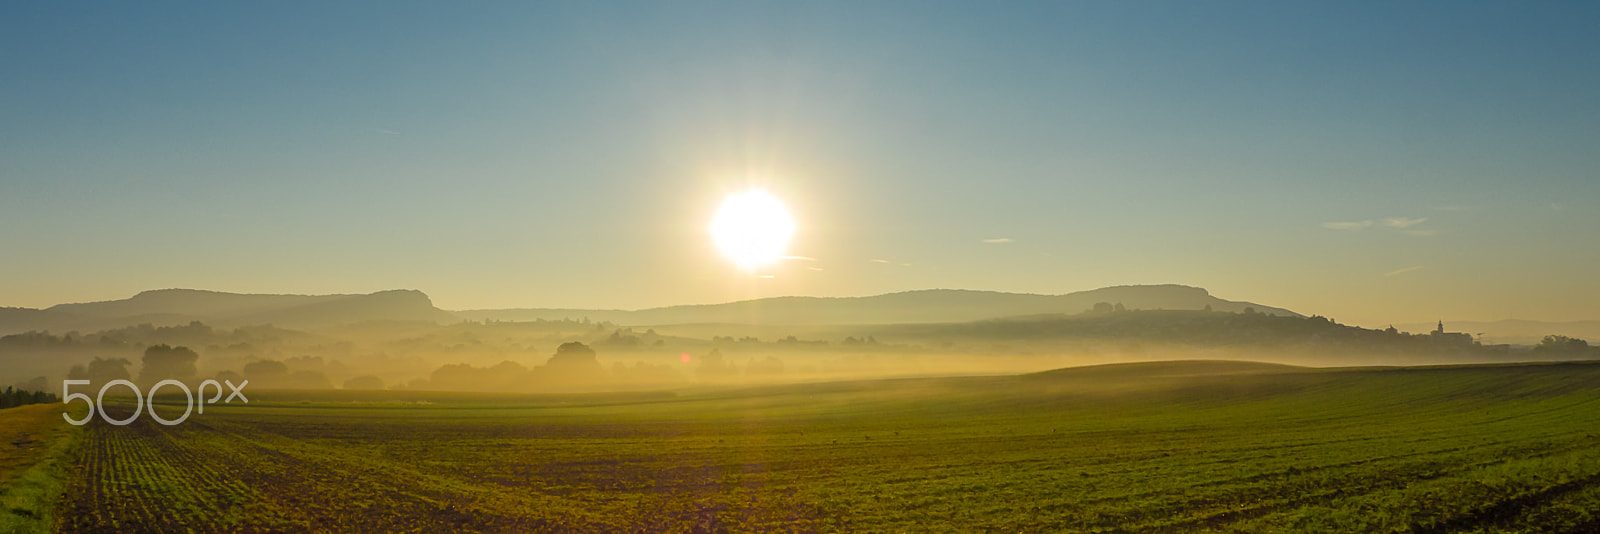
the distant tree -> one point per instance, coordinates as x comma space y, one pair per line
366, 382
504, 376
573, 364
1561, 345
573, 353
162, 362
1118, 308
622, 338
456, 377
1208, 308
713, 366
266, 373
1102, 307
101, 370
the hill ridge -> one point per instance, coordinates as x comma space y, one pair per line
913, 306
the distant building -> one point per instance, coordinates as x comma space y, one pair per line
1455, 338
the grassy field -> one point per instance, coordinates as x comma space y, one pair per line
1160, 447
34, 444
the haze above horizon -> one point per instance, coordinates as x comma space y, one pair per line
1369, 162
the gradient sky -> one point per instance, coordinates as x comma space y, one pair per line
1371, 162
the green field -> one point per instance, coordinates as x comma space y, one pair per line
34, 444
1157, 447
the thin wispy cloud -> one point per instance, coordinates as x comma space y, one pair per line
813, 268
876, 260
798, 258
768, 276
1403, 222
1402, 271
1346, 225
999, 240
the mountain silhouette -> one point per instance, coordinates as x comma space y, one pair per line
177, 306
181, 306
925, 306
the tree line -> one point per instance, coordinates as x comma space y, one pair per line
13, 397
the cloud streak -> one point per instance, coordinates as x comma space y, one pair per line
1403, 222
1403, 271
1346, 225
996, 240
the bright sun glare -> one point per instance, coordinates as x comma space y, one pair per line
752, 229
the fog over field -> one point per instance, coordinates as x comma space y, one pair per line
399, 340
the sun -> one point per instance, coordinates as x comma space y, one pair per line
752, 229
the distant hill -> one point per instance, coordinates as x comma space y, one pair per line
1515, 331
179, 306
927, 306
13, 320
1250, 336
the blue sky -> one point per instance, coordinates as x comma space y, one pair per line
1370, 162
